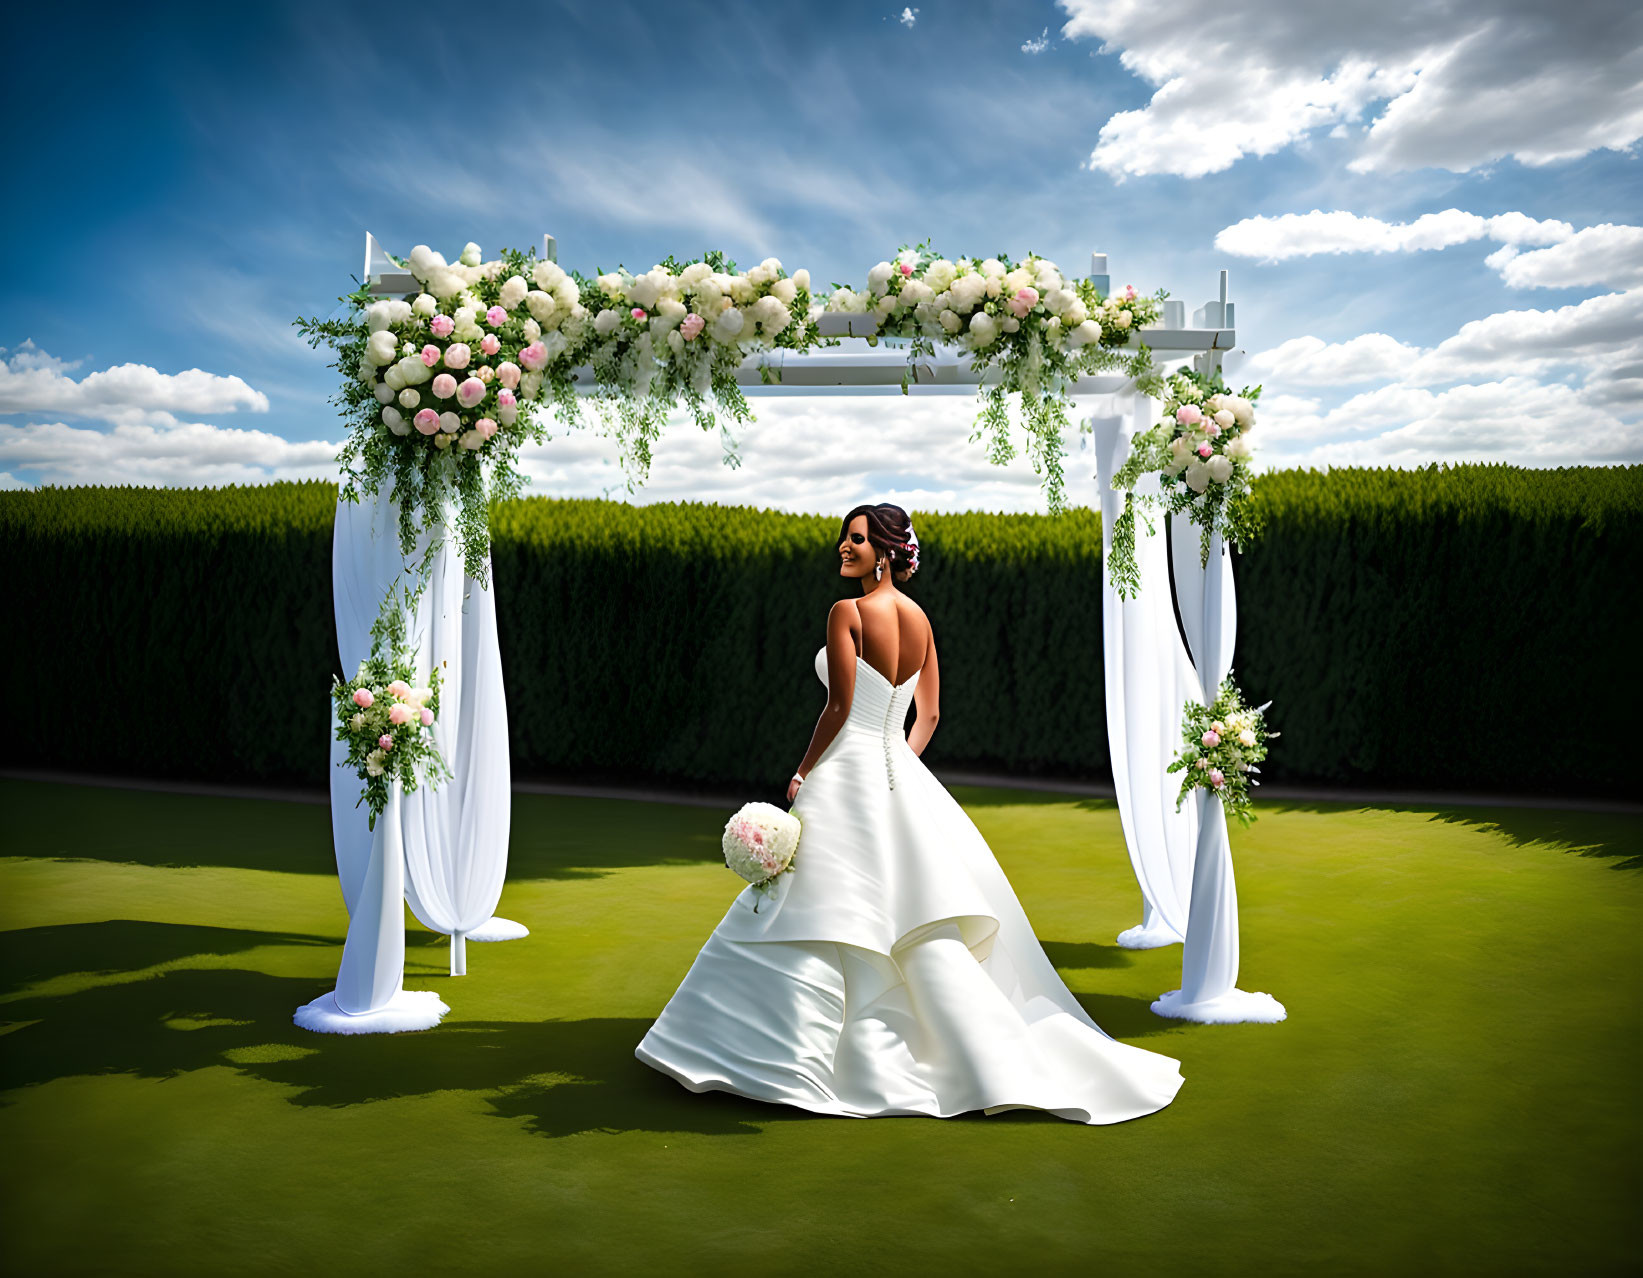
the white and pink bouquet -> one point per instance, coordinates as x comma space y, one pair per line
387, 725
1222, 747
1201, 452
759, 843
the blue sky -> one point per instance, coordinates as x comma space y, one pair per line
205, 174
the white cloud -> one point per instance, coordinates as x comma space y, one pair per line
1588, 333
1516, 420
1276, 239
32, 381
1462, 85
1039, 44
1605, 254
908, 17
191, 454
1310, 361
9, 483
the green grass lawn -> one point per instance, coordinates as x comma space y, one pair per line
1456, 1089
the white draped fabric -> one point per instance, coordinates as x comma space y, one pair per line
1209, 958
453, 839
1148, 679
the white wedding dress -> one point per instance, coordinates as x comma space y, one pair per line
892, 971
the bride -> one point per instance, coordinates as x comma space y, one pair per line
893, 970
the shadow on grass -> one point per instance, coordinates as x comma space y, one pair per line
1071, 954
1610, 836
33, 954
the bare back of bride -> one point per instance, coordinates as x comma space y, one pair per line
893, 971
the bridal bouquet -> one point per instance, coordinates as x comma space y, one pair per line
385, 723
1223, 744
759, 843
1039, 330
1201, 450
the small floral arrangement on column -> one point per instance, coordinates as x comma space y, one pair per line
1039, 331
1224, 744
1201, 450
676, 336
443, 387
387, 724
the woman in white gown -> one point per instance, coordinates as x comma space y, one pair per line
892, 971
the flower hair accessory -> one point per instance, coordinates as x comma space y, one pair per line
912, 545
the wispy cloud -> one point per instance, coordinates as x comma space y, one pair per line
1039, 44
908, 17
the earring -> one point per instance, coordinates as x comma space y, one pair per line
878, 569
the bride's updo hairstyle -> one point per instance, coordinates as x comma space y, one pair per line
891, 533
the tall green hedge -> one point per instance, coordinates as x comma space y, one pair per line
1454, 627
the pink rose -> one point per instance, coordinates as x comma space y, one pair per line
490, 344
442, 325
399, 714
363, 698
505, 397
1204, 450
906, 269
486, 427
457, 355
430, 355
692, 328
485, 373
508, 374
1187, 414
496, 317
1023, 302
1216, 779
1202, 764
638, 312
1211, 429
1129, 292
1211, 739
398, 688
444, 386
534, 356
385, 741
468, 394
427, 717
427, 421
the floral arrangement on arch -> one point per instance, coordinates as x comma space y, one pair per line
386, 724
675, 336
444, 387
1038, 329
1223, 746
1200, 449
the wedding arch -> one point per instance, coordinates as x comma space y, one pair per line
415, 611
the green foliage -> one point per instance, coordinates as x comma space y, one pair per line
1221, 746
1417, 627
379, 751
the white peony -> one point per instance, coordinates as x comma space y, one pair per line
694, 274
471, 440
378, 316
1198, 477
727, 325
449, 423
470, 254
676, 341
530, 385
950, 321
606, 322
1075, 312
941, 274
394, 420
446, 283
983, 329
1086, 333
1239, 449
513, 292
413, 370
759, 841
546, 275
409, 398
785, 291
610, 284
394, 378
1220, 468
541, 304
1224, 417
878, 279
425, 305
801, 279
507, 414
1241, 409
383, 392
531, 329
1017, 280
915, 291
381, 347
